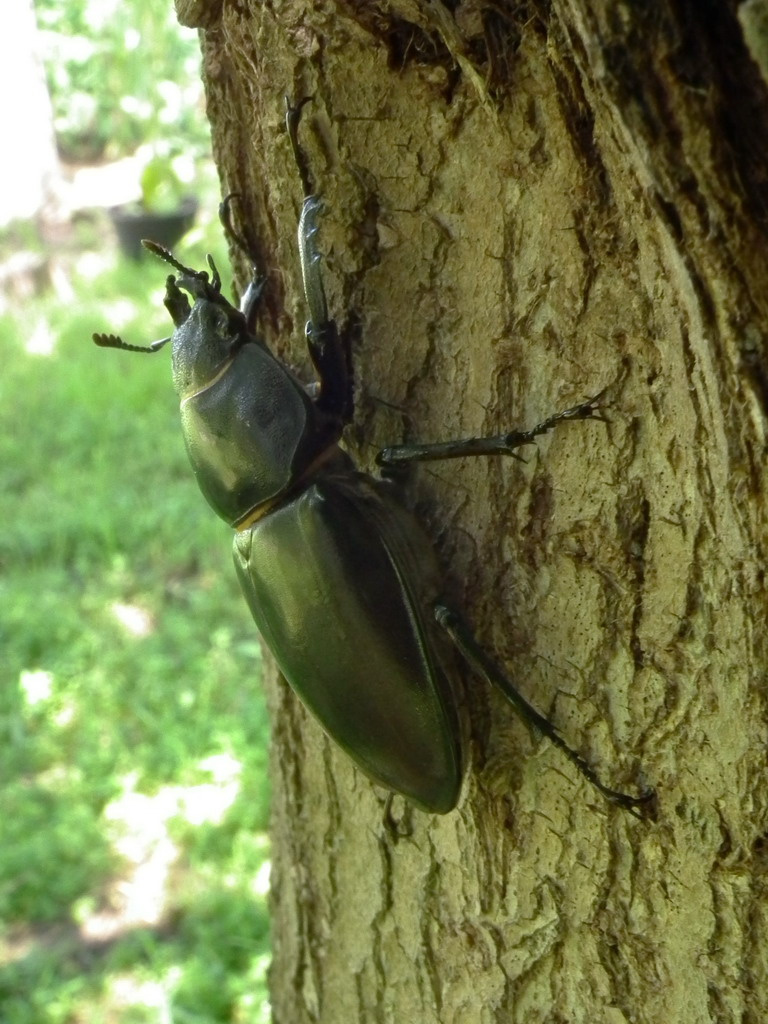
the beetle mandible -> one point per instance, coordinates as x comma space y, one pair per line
340, 579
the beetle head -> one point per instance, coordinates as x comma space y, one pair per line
208, 332
207, 335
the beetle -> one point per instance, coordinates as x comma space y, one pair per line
340, 579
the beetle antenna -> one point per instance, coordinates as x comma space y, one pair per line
167, 257
114, 341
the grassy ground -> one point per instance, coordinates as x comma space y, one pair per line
133, 793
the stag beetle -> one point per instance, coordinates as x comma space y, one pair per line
340, 579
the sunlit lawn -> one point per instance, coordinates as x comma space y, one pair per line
133, 798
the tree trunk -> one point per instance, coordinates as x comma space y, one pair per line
526, 203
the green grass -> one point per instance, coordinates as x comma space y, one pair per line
132, 724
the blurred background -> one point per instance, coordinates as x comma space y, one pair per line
134, 861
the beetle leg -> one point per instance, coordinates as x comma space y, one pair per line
328, 349
251, 300
292, 118
476, 658
249, 303
330, 356
309, 258
233, 235
499, 444
397, 829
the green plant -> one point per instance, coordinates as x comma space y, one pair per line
161, 186
129, 687
120, 74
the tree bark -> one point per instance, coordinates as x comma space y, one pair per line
526, 203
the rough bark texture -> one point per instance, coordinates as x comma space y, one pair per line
526, 203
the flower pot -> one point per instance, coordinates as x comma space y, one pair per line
132, 223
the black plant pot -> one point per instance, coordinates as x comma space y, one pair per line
132, 223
